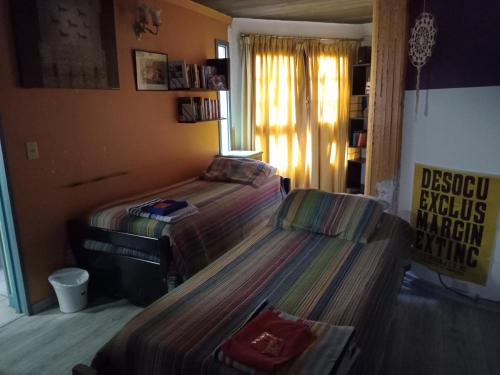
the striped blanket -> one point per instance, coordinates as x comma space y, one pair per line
228, 212
302, 273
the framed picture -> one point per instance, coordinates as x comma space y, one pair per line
66, 43
151, 70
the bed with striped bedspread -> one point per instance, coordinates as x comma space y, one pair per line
228, 212
314, 276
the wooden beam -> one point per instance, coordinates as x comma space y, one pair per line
385, 108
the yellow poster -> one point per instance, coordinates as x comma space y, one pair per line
455, 216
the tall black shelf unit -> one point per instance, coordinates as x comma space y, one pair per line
358, 122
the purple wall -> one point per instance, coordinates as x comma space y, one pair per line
467, 50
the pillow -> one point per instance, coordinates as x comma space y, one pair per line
244, 171
350, 217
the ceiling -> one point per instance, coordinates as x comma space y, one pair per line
341, 11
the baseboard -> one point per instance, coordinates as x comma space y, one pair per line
43, 305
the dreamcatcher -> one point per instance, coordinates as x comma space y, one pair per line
422, 40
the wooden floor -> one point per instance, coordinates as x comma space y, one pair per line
432, 333
51, 343
7, 313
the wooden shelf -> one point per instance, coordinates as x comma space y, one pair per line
358, 160
195, 106
197, 89
194, 122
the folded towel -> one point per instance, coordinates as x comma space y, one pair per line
167, 211
325, 349
268, 341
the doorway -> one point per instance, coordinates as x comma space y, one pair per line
13, 297
7, 312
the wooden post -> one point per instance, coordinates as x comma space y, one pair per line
385, 108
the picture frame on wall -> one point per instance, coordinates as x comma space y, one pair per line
151, 71
65, 44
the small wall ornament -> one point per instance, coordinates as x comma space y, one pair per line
422, 40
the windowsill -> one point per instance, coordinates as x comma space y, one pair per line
242, 154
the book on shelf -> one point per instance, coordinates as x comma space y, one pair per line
358, 139
217, 82
186, 109
209, 72
178, 74
192, 109
194, 76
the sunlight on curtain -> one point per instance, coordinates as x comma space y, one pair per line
328, 86
302, 79
333, 153
275, 107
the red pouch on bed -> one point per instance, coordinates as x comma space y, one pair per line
268, 341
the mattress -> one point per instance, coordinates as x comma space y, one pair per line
228, 212
310, 275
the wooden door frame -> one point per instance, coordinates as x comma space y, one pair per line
17, 293
385, 108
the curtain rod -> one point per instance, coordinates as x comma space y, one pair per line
304, 37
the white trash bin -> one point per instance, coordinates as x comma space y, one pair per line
70, 285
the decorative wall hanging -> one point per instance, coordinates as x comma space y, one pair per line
422, 40
66, 43
147, 16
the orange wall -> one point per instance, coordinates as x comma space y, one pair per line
84, 134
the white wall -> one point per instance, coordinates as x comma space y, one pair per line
461, 130
285, 28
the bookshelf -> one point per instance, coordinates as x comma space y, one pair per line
358, 122
212, 76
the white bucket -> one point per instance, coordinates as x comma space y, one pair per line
70, 285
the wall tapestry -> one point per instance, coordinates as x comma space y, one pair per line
66, 43
455, 215
422, 40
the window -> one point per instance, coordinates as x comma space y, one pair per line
222, 52
297, 112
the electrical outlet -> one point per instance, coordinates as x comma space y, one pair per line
32, 150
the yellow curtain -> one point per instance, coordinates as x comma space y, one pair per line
295, 106
330, 77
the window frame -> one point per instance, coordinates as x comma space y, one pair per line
224, 44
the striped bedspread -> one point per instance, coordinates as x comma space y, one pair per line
309, 275
227, 213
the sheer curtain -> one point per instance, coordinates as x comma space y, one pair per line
295, 104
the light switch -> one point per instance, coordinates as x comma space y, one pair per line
32, 150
